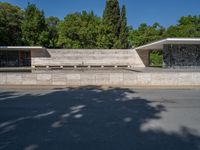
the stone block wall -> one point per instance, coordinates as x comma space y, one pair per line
174, 79
181, 56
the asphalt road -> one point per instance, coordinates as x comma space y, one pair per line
94, 118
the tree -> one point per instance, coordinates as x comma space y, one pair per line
10, 24
53, 23
34, 27
79, 30
173, 31
111, 19
123, 36
146, 34
105, 37
188, 26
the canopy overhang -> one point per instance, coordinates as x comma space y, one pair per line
19, 48
158, 45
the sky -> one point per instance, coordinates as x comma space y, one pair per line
166, 12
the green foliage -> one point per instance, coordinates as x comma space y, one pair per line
145, 34
188, 26
85, 30
156, 58
111, 22
123, 35
53, 23
116, 25
34, 27
111, 16
79, 30
105, 38
10, 24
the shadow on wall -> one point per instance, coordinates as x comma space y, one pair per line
86, 118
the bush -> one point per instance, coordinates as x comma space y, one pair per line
156, 58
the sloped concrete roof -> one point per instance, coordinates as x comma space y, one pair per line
158, 45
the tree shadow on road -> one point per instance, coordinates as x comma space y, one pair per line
85, 118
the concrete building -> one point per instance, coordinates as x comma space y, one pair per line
42, 58
177, 53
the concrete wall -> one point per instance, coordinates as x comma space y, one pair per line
181, 56
65, 57
144, 56
102, 78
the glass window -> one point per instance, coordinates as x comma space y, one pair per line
14, 58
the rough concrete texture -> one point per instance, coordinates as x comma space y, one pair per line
110, 78
90, 57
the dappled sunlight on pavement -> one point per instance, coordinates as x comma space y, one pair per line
97, 118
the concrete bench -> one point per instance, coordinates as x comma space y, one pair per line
78, 66
56, 67
39, 67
